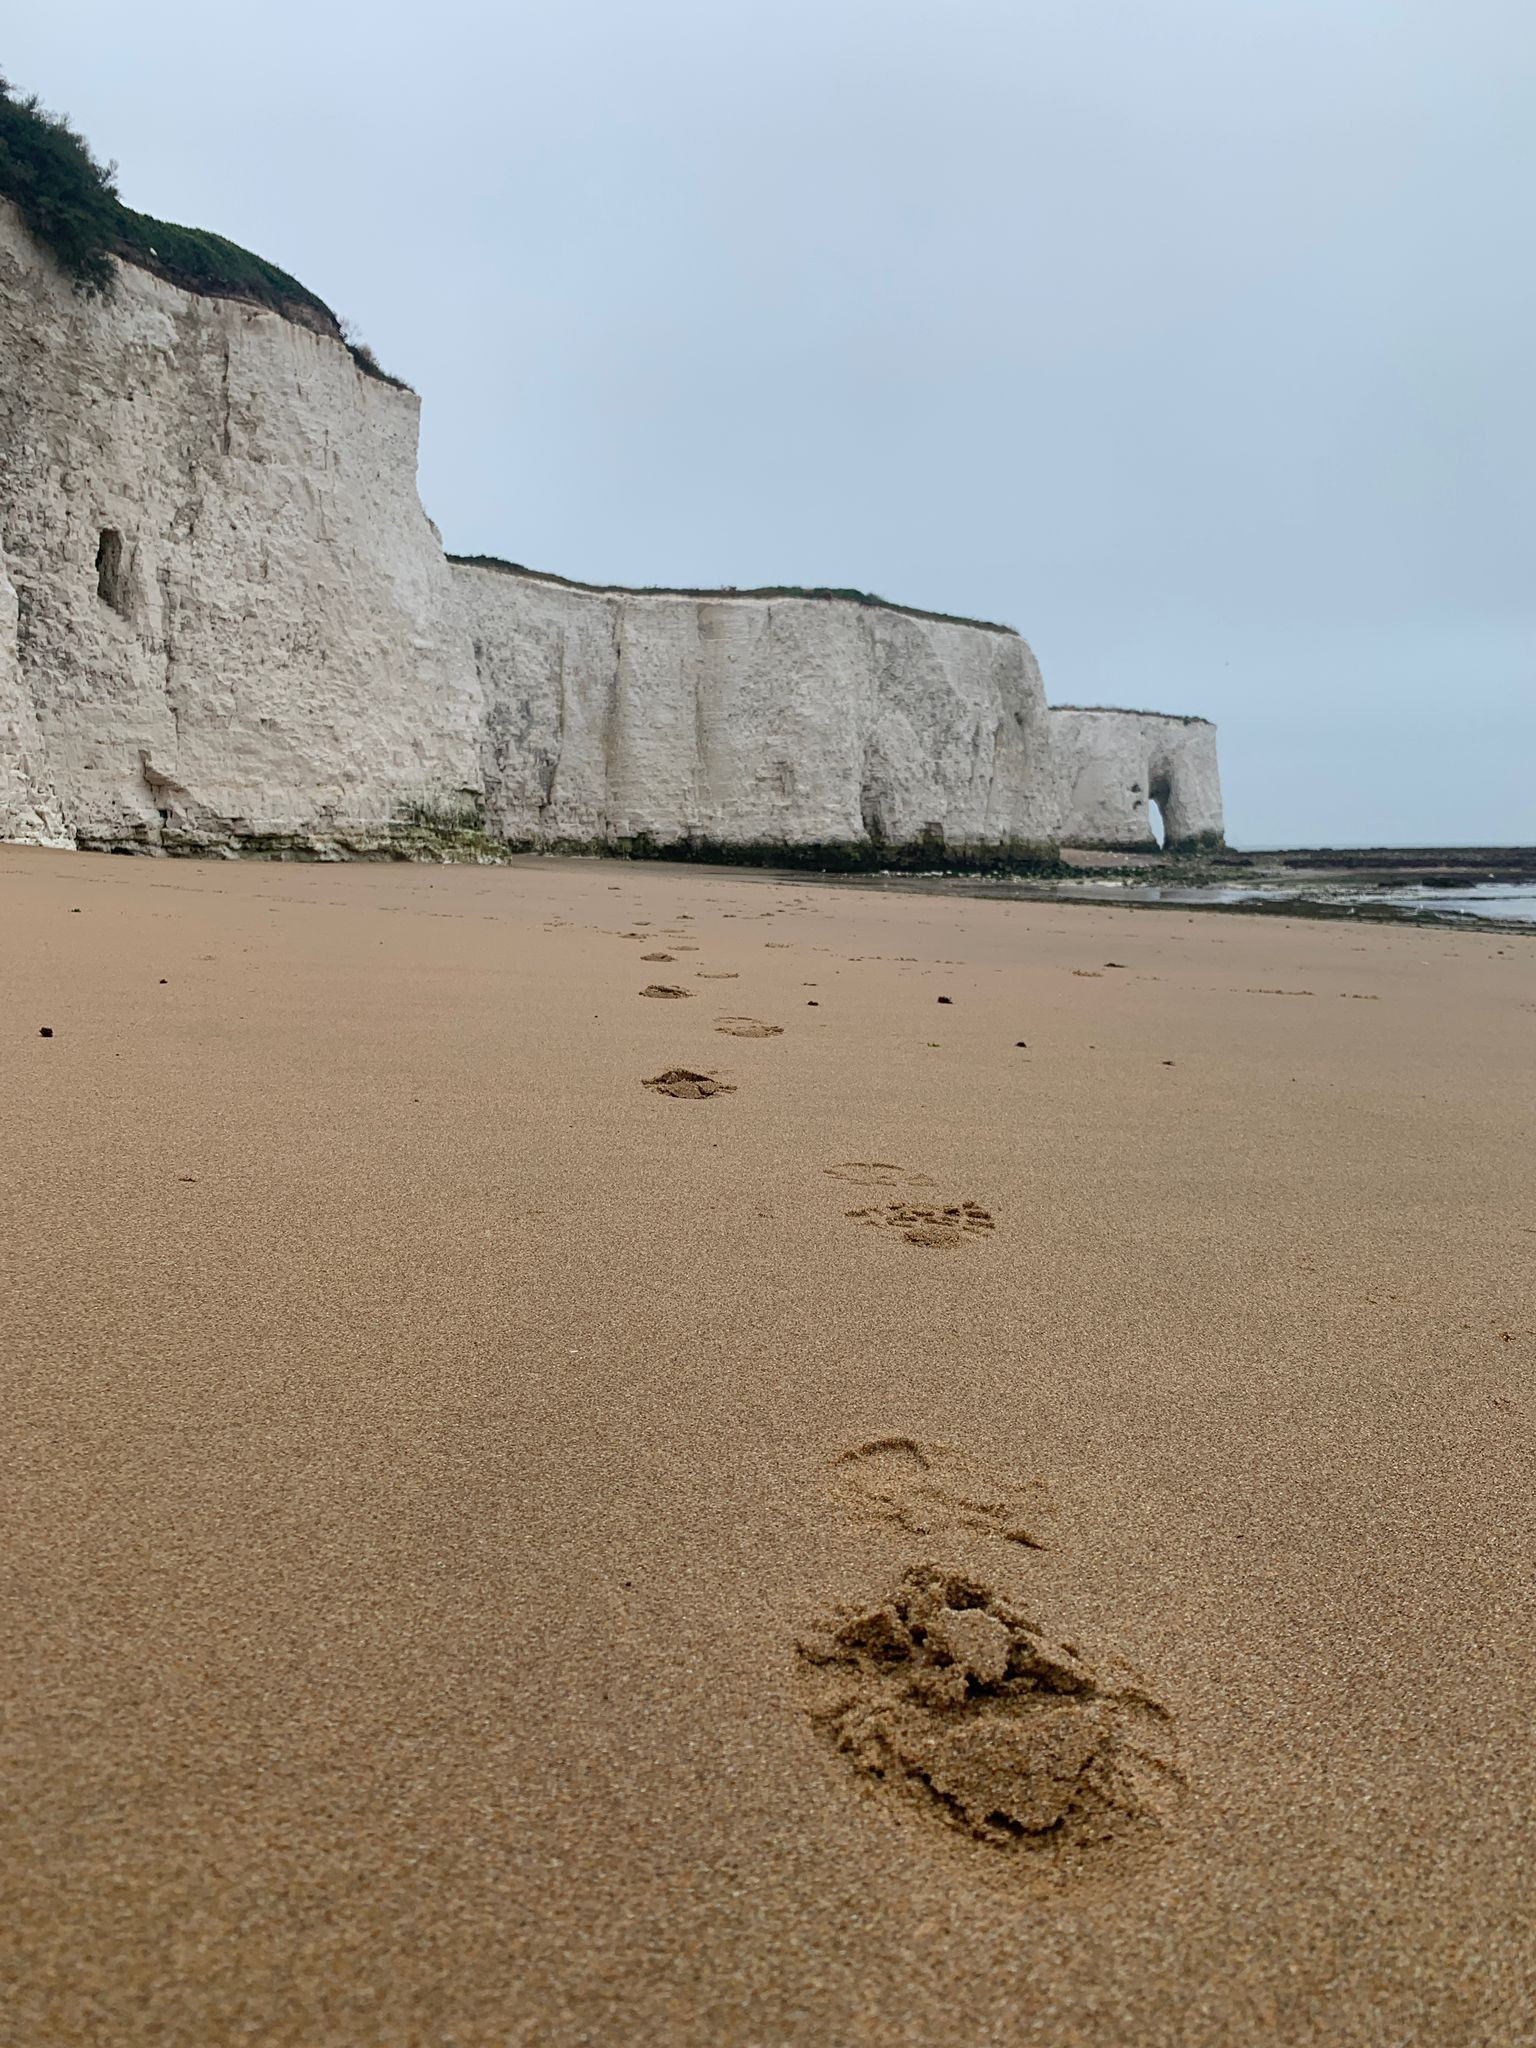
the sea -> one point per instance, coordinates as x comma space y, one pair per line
1499, 905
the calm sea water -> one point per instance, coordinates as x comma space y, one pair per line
1481, 902
1500, 902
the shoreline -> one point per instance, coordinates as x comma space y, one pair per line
1301, 883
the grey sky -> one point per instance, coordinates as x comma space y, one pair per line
1196, 338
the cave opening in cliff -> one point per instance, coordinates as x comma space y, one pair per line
1155, 823
111, 578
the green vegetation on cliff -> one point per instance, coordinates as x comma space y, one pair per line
70, 205
819, 591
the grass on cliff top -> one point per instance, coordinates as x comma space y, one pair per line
818, 591
71, 206
1130, 711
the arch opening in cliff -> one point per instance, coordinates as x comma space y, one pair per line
1156, 823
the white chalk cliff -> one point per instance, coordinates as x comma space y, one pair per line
763, 720
1110, 765
226, 623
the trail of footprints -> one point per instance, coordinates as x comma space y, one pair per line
930, 1225
933, 1226
946, 1698
940, 1693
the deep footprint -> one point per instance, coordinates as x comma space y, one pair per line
665, 989
687, 1085
932, 1490
938, 1229
951, 1700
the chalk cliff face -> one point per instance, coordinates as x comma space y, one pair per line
226, 623
29, 807
230, 613
1109, 764
759, 720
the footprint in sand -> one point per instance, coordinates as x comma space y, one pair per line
940, 1229
949, 1699
748, 1027
719, 974
648, 957
932, 1490
665, 989
688, 1086
875, 1173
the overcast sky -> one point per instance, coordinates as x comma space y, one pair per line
1195, 338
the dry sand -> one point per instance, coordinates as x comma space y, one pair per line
428, 1446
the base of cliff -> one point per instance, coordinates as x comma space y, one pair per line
363, 843
838, 857
471, 843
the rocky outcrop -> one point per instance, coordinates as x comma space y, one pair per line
226, 623
1111, 765
715, 719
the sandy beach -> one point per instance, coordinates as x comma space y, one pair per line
483, 1539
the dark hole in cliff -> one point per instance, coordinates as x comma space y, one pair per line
111, 579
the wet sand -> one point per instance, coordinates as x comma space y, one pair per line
428, 1446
